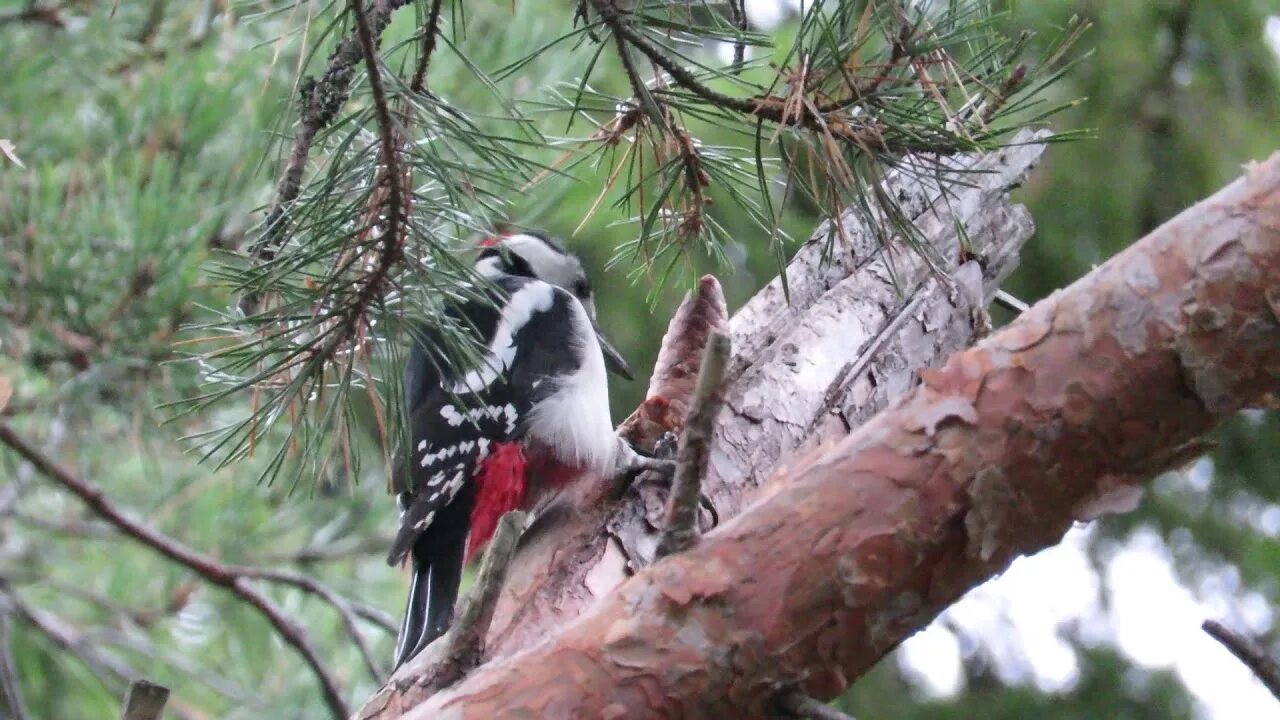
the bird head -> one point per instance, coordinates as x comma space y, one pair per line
532, 254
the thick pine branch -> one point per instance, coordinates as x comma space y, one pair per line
859, 544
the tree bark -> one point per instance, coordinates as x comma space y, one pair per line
856, 544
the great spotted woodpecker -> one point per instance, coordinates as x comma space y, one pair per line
530, 416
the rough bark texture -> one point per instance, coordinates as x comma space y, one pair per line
860, 543
860, 322
857, 330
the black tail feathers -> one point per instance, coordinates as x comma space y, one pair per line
437, 573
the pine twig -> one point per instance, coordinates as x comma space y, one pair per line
681, 529
322, 100
638, 87
429, 30
738, 16
144, 701
206, 567
1248, 652
797, 704
390, 177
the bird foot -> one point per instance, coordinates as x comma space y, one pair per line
632, 462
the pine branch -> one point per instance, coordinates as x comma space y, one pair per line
322, 100
862, 542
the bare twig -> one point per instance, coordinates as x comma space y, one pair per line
797, 704
466, 639
206, 567
681, 529
144, 701
1248, 652
448, 659
13, 703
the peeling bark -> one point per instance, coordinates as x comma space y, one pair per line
859, 543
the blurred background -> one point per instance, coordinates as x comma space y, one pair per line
147, 137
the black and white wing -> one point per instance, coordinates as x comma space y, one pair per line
457, 418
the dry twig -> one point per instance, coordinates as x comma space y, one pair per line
466, 638
681, 529
1248, 652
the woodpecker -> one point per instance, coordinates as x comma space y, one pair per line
530, 416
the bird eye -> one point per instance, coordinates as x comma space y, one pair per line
582, 288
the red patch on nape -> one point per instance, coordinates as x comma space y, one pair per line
488, 242
501, 485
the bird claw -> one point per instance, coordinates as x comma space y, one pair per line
634, 462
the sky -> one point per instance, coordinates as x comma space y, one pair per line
1136, 603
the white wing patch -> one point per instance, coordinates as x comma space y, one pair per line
533, 298
474, 415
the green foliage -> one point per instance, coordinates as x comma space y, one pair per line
150, 162
403, 154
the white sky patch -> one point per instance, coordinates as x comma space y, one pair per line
1157, 624
765, 14
1150, 617
931, 659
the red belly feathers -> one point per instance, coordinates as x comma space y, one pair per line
503, 484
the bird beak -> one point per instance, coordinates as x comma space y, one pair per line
612, 358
